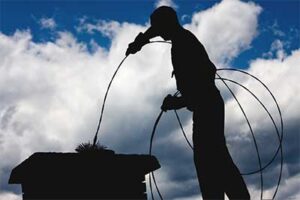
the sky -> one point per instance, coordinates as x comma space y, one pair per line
57, 57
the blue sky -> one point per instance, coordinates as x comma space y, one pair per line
277, 14
57, 57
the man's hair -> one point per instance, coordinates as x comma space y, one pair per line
164, 16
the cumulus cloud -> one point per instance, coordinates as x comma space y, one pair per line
277, 49
166, 3
281, 77
47, 23
51, 93
290, 188
276, 29
107, 28
9, 196
226, 29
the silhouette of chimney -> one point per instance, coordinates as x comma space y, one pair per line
84, 175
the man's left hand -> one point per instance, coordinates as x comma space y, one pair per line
169, 103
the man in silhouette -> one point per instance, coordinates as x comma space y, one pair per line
195, 74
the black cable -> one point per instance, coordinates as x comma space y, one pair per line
103, 106
276, 128
280, 114
104, 101
280, 142
272, 119
253, 137
153, 131
150, 153
157, 189
107, 90
182, 130
157, 120
280, 145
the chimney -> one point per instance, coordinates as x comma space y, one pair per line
84, 175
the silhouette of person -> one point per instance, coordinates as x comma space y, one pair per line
195, 74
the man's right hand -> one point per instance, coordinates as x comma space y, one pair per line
172, 103
137, 45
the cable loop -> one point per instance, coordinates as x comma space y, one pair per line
224, 80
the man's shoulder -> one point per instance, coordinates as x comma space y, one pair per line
189, 38
188, 33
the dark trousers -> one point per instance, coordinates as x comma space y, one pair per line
216, 171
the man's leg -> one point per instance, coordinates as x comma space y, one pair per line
235, 187
208, 156
209, 177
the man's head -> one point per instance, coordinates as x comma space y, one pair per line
164, 20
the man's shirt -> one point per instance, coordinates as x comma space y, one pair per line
194, 71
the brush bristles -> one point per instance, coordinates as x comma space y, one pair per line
90, 148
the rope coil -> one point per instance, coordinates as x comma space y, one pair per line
224, 80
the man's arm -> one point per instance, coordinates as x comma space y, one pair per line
140, 40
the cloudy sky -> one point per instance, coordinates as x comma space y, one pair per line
56, 59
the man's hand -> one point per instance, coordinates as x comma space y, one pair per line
138, 43
170, 102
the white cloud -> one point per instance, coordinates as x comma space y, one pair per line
277, 46
276, 29
47, 23
276, 50
107, 28
169, 3
51, 92
226, 29
281, 76
9, 196
290, 188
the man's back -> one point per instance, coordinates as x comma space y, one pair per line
193, 69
